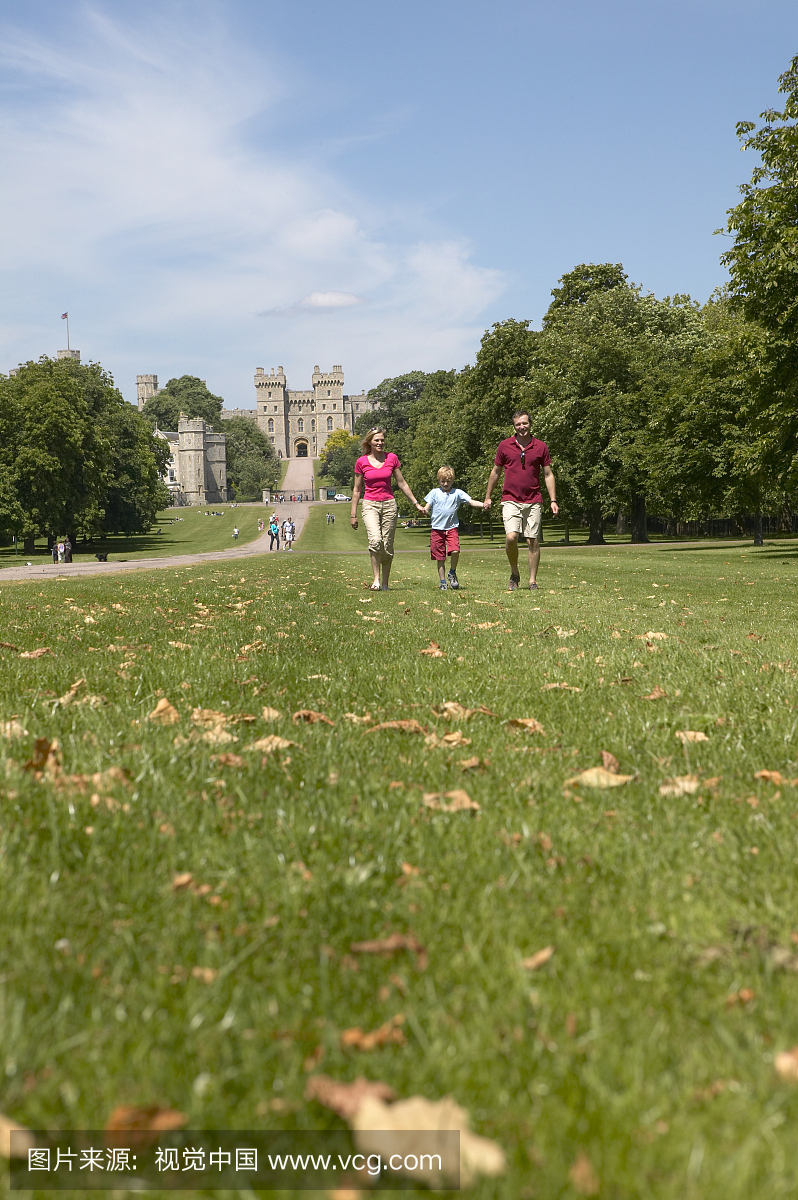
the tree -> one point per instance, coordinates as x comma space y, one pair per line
251, 462
396, 400
187, 395
70, 448
586, 280
337, 460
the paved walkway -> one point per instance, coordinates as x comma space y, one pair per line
298, 477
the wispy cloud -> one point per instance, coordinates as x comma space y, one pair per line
138, 199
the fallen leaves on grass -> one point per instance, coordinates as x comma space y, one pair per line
409, 725
433, 650
8, 646
744, 996
182, 880
356, 720
652, 637
455, 738
680, 785
527, 723
208, 718
598, 777
390, 1033
610, 762
583, 1177
691, 735
474, 764
776, 778
36, 653
151, 1118
218, 736
13, 729
786, 1064
204, 974
563, 687
538, 959
180, 645
46, 757
227, 760
657, 693
458, 800
22, 1144
450, 710
388, 946
310, 717
268, 744
345, 1098
164, 713
271, 714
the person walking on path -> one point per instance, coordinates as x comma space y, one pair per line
521, 457
54, 553
274, 533
377, 471
443, 503
67, 549
60, 552
288, 532
235, 533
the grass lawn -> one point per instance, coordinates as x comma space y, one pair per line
176, 531
644, 1044
324, 481
318, 535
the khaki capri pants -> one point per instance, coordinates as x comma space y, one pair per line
380, 518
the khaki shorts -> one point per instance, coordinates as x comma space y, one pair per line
522, 518
380, 518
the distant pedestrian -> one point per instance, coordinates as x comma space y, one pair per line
235, 532
60, 551
55, 552
67, 550
274, 534
289, 529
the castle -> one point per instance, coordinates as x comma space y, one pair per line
197, 469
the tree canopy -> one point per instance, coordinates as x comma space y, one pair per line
251, 462
341, 452
187, 395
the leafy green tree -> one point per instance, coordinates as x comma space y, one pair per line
397, 398
251, 462
187, 395
586, 280
69, 447
337, 460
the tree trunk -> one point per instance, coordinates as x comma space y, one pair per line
596, 526
621, 525
758, 539
639, 532
567, 538
29, 544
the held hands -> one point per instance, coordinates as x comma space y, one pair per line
486, 502
421, 507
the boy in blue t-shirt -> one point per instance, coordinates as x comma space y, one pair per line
443, 502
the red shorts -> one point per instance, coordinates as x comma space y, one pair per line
443, 542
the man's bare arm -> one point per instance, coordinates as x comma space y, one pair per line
551, 488
492, 481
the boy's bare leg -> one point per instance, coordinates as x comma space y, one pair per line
534, 559
453, 560
442, 569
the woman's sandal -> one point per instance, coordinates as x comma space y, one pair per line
374, 587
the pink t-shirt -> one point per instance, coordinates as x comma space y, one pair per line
377, 479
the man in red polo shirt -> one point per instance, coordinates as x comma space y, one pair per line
521, 458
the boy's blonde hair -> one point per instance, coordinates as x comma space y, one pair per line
444, 474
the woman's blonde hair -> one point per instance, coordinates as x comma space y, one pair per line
365, 445
445, 473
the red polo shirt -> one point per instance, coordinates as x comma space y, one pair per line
522, 483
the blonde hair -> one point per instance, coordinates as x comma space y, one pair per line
365, 445
445, 473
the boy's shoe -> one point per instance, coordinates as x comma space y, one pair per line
444, 585
533, 587
514, 582
454, 583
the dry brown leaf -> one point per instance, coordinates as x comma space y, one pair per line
46, 757
691, 735
487, 625
455, 738
471, 764
583, 1177
657, 693
208, 718
204, 974
345, 1098
598, 777
268, 744
218, 737
164, 713
13, 729
389, 1033
180, 645
389, 945
152, 1118
538, 959
36, 653
527, 723
311, 717
271, 714
450, 710
356, 720
680, 785
8, 646
610, 762
744, 996
458, 800
22, 1144
410, 725
652, 637
182, 880
227, 760
378, 1127
433, 650
69, 696
786, 1064
774, 777
562, 687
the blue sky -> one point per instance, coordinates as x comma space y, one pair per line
210, 187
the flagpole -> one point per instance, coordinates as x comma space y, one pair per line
67, 321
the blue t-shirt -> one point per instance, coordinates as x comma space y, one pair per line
445, 506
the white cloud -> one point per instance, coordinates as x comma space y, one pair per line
137, 201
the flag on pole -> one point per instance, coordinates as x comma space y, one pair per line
64, 316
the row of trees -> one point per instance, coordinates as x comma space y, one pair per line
649, 406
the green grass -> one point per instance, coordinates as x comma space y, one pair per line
323, 481
182, 531
627, 1045
318, 535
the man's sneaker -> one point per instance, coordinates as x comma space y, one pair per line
444, 585
454, 582
514, 582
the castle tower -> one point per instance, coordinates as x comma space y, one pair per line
271, 397
191, 437
73, 354
146, 388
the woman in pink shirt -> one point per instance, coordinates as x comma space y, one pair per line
376, 471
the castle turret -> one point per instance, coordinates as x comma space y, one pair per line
270, 396
146, 388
